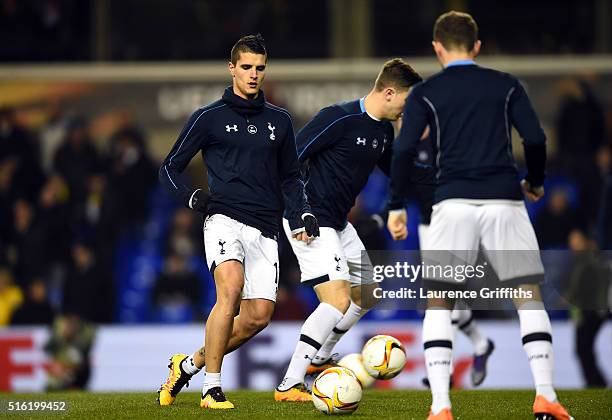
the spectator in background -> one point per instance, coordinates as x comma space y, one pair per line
35, 309
53, 132
54, 221
69, 350
555, 222
20, 158
87, 292
26, 251
604, 223
587, 290
580, 133
177, 294
132, 175
97, 218
184, 236
76, 158
10, 296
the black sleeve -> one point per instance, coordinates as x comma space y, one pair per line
524, 118
189, 143
319, 133
291, 182
415, 119
384, 162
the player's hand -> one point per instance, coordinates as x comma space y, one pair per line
396, 224
533, 194
310, 229
199, 201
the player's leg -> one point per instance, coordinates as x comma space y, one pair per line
323, 265
334, 298
463, 320
229, 281
507, 227
254, 316
452, 238
223, 248
362, 296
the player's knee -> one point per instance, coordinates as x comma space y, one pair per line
229, 295
257, 323
341, 303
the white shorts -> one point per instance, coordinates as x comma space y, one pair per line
335, 255
227, 239
502, 229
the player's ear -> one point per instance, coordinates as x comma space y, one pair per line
476, 49
389, 93
231, 68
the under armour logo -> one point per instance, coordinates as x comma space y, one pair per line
361, 142
306, 357
221, 243
337, 259
229, 128
375, 143
271, 128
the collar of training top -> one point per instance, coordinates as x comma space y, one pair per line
244, 106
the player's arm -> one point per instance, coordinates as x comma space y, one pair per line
384, 162
189, 142
404, 150
302, 222
524, 118
319, 133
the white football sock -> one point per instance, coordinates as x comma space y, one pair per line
437, 336
350, 318
189, 367
463, 319
536, 332
211, 380
315, 330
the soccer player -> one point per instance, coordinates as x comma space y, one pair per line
341, 146
422, 182
249, 149
470, 111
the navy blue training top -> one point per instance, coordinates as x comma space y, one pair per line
470, 111
250, 152
341, 146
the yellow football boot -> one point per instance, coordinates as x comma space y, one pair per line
177, 379
316, 368
297, 392
215, 399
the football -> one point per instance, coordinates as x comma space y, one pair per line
336, 391
383, 357
354, 362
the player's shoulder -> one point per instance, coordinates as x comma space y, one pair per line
206, 110
278, 111
338, 111
498, 74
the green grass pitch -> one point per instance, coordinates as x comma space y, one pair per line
376, 404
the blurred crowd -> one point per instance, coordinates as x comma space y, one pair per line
63, 203
67, 199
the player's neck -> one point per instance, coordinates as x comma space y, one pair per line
451, 56
242, 95
374, 106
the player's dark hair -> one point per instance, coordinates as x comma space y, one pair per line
456, 31
398, 74
250, 43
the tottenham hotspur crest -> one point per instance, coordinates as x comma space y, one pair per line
271, 128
